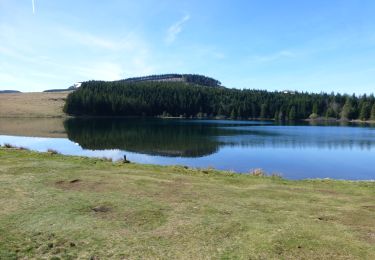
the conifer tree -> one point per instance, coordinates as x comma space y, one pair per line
372, 118
365, 111
292, 114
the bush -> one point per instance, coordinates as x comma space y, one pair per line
51, 151
313, 116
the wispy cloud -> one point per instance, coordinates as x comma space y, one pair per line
33, 4
89, 40
276, 56
175, 29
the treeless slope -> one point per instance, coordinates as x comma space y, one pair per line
32, 104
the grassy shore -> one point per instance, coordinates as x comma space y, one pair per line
54, 206
32, 104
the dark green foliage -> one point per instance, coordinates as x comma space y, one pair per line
189, 78
292, 113
373, 112
365, 111
164, 95
148, 136
347, 110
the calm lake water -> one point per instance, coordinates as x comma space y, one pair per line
294, 151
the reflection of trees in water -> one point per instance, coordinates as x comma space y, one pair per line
143, 136
199, 138
342, 138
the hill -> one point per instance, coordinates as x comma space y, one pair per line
176, 96
32, 104
188, 78
9, 91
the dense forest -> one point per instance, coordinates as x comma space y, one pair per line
160, 97
189, 78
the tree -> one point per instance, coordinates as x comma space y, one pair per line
292, 114
315, 109
347, 110
365, 111
263, 111
233, 114
372, 118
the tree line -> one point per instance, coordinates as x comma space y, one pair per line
189, 78
182, 99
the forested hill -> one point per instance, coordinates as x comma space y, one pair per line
9, 91
189, 78
181, 98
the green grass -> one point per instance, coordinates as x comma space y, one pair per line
54, 206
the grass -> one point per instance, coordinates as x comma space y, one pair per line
64, 207
36, 105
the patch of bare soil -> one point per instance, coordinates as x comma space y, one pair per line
101, 209
369, 207
80, 185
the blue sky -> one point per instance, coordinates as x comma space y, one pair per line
312, 45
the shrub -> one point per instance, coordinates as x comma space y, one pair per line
258, 172
52, 151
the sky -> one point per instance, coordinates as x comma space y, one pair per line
312, 46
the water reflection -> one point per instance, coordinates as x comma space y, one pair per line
296, 151
183, 138
148, 136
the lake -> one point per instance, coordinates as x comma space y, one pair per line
296, 151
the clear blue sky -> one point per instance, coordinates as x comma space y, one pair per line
312, 45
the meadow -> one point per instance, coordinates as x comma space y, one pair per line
63, 207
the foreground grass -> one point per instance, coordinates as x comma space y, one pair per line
54, 206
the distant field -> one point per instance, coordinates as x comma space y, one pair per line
60, 207
32, 104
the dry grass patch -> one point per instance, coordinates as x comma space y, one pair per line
32, 104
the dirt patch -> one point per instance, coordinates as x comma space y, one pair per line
101, 209
326, 218
81, 185
369, 207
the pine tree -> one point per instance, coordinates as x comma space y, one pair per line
233, 114
372, 118
315, 109
276, 117
263, 111
365, 111
292, 114
346, 112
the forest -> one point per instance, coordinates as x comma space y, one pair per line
200, 96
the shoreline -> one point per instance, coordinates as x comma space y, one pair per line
254, 173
